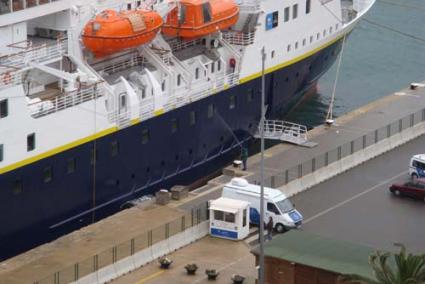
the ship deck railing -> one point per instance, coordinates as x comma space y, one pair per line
106, 68
12, 65
9, 6
201, 90
239, 37
250, 6
178, 44
39, 108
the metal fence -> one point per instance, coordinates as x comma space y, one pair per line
128, 248
344, 150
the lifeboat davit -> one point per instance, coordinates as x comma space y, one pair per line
111, 31
197, 18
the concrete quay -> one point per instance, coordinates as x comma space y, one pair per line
55, 262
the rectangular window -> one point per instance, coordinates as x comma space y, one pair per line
307, 6
244, 218
174, 125
179, 79
287, 15
1, 152
145, 136
211, 111
70, 167
196, 73
47, 174
31, 142
218, 215
229, 217
206, 10
192, 118
17, 187
218, 65
139, 3
128, 6
295, 11
114, 148
232, 103
272, 20
212, 67
304, 42
4, 109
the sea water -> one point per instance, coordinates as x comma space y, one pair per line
376, 61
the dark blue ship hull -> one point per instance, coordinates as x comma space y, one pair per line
98, 187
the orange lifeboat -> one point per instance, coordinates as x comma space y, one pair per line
197, 18
111, 31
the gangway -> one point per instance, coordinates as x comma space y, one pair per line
285, 131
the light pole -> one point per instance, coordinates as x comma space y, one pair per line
261, 231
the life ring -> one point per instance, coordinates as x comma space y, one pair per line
7, 78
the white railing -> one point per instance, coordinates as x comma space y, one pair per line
239, 38
12, 65
251, 6
178, 44
66, 100
200, 91
121, 65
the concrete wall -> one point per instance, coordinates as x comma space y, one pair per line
147, 255
353, 160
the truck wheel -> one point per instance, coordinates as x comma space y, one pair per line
280, 228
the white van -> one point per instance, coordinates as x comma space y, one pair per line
417, 166
276, 204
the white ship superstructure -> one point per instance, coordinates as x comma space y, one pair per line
80, 134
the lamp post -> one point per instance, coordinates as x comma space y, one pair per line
261, 231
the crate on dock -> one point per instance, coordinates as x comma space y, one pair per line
179, 192
162, 197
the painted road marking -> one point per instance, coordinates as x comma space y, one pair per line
150, 277
354, 197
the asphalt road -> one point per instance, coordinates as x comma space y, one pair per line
356, 206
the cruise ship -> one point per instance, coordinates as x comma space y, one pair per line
105, 101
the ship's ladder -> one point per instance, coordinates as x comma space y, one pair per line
285, 131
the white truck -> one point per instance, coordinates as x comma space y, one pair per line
276, 204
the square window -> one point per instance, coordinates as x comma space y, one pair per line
17, 187
174, 125
192, 118
71, 165
211, 111
47, 174
1, 152
218, 215
4, 109
229, 217
232, 103
286, 16
295, 11
145, 136
31, 142
114, 148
